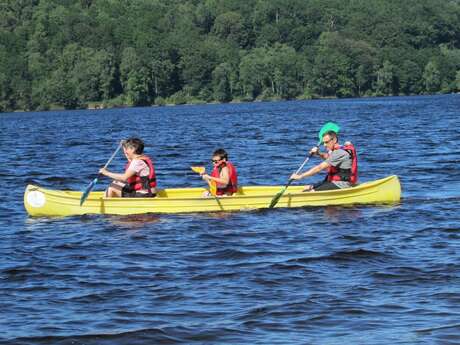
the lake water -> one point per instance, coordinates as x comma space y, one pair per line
329, 275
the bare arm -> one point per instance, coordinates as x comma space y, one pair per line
223, 179
323, 155
316, 169
315, 151
119, 177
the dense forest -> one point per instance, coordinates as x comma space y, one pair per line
70, 53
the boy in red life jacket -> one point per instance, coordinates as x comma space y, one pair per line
341, 163
138, 180
224, 174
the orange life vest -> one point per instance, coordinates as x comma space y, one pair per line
137, 182
349, 175
232, 186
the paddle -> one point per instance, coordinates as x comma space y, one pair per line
212, 184
90, 187
329, 126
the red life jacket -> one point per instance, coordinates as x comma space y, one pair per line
232, 186
137, 182
349, 175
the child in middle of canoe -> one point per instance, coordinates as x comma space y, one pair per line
224, 174
138, 180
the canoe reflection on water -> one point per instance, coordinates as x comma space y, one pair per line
135, 221
339, 214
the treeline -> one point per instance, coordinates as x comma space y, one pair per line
71, 53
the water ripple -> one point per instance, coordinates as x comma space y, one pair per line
331, 275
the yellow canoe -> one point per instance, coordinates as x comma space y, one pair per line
45, 202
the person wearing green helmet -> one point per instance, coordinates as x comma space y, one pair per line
340, 161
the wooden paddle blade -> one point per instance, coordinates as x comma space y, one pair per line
198, 170
88, 189
212, 187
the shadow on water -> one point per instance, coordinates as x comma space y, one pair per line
134, 221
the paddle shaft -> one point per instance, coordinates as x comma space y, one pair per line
93, 182
114, 154
110, 160
300, 168
210, 188
280, 193
210, 184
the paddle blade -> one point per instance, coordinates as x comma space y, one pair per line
277, 197
198, 170
88, 189
329, 126
212, 187
212, 184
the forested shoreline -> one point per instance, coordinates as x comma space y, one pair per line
66, 53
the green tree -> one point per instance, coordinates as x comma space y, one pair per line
221, 82
431, 77
284, 71
133, 52
62, 90
135, 78
448, 62
409, 78
94, 74
63, 82
457, 81
254, 72
331, 67
230, 26
385, 79
161, 71
197, 65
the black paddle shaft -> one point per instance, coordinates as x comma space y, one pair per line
279, 194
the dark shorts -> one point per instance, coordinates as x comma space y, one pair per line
325, 185
128, 192
135, 194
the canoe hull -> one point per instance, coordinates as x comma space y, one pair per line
45, 202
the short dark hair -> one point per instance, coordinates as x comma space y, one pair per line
221, 153
136, 143
332, 134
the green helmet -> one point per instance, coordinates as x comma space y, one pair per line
330, 126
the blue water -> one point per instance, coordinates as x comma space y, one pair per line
329, 275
